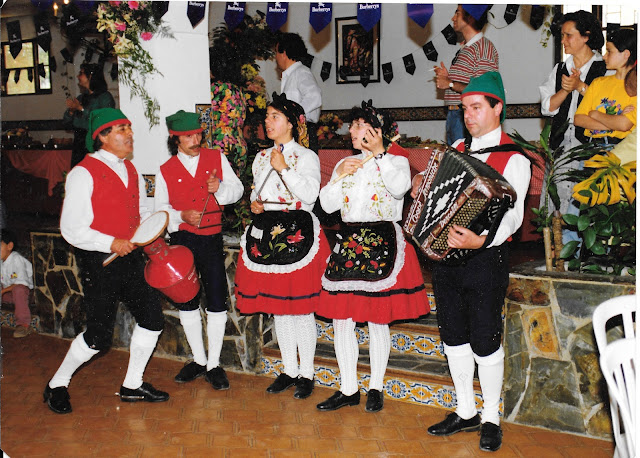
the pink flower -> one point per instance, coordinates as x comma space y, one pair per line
255, 251
134, 5
121, 26
146, 36
297, 237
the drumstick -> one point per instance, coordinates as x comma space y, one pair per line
336, 179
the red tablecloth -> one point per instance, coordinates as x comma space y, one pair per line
48, 164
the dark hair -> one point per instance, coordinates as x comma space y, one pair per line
8, 237
492, 101
97, 143
377, 118
292, 45
95, 75
477, 24
623, 40
225, 65
588, 25
172, 144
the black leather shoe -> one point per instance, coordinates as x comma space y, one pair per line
375, 401
281, 383
57, 399
189, 372
454, 424
490, 437
304, 387
218, 378
146, 393
340, 400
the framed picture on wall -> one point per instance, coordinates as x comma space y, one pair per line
357, 52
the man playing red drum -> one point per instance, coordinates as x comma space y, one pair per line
105, 200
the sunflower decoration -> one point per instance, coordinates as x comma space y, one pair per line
610, 183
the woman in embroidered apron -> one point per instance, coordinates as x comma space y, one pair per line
373, 274
284, 252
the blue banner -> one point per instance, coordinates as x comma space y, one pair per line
234, 14
277, 14
320, 15
368, 15
420, 12
195, 12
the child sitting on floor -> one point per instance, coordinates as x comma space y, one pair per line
17, 283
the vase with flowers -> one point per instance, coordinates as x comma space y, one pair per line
328, 125
127, 24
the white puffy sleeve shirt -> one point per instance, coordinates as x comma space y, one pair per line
374, 193
230, 190
77, 212
302, 179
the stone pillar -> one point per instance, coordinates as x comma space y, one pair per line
184, 64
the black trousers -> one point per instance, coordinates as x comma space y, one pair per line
122, 280
469, 299
209, 259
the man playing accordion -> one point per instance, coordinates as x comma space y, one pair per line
470, 295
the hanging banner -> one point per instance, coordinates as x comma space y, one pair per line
475, 10
326, 71
307, 60
53, 65
369, 15
387, 72
159, 8
277, 13
449, 35
234, 14
195, 12
430, 51
320, 15
420, 12
537, 16
511, 13
409, 64
66, 55
15, 38
43, 33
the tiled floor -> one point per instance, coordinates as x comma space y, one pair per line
243, 421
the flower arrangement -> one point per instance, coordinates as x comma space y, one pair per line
606, 222
126, 23
255, 88
328, 124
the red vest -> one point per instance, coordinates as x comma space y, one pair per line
190, 193
116, 209
497, 160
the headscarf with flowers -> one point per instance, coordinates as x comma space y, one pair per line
295, 115
378, 119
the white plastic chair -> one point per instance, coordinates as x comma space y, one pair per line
621, 308
618, 363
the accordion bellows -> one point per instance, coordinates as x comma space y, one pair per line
457, 189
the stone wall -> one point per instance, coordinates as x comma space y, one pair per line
58, 304
552, 370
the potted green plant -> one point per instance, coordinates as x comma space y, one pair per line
555, 161
607, 219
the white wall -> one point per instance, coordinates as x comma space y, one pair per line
524, 63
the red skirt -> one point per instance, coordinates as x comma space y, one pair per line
407, 299
295, 293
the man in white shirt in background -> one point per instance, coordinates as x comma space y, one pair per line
298, 82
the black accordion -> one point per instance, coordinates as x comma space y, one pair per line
457, 189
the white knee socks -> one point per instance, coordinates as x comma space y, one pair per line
216, 323
143, 341
306, 338
379, 349
346, 346
286, 333
461, 366
78, 354
192, 324
491, 375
